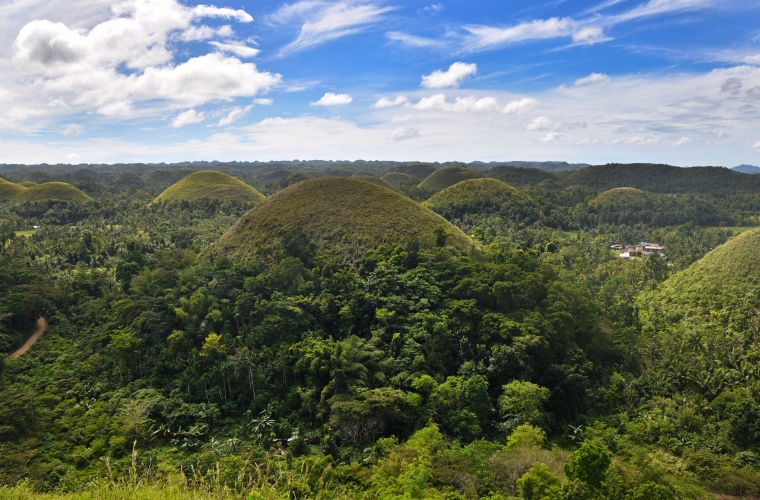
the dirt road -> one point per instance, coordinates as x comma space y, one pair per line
41, 327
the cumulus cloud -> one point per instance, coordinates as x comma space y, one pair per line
386, 103
331, 99
519, 106
732, 85
321, 21
456, 73
754, 92
239, 49
402, 134
682, 141
187, 118
469, 104
589, 36
130, 59
593, 79
401, 118
550, 137
540, 123
73, 130
646, 140
263, 101
752, 59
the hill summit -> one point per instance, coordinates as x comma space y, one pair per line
345, 215
8, 189
56, 191
211, 185
447, 177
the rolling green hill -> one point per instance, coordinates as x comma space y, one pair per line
664, 179
27, 184
58, 191
519, 176
399, 179
345, 215
482, 197
8, 189
419, 170
211, 185
623, 197
446, 177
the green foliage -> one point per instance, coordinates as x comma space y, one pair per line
539, 484
589, 464
523, 402
651, 491
526, 436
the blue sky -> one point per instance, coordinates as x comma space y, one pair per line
674, 81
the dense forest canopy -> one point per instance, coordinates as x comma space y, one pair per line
342, 339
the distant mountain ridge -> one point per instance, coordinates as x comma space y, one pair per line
747, 169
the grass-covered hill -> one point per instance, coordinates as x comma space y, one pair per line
630, 206
346, 215
419, 170
373, 179
482, 197
362, 173
56, 191
447, 177
210, 185
664, 179
399, 179
27, 184
8, 189
716, 296
519, 176
623, 197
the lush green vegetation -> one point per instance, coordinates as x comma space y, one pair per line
209, 185
339, 340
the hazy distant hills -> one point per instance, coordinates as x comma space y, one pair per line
747, 169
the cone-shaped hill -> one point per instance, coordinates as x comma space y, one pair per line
27, 184
344, 215
447, 177
399, 179
56, 191
483, 196
210, 185
716, 296
377, 181
623, 196
8, 189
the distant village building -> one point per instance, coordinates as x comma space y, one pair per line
644, 250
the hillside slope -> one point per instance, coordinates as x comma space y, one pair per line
8, 189
447, 177
211, 185
57, 191
345, 215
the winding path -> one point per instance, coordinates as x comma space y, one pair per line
42, 325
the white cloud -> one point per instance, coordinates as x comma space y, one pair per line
386, 103
263, 101
646, 140
451, 78
589, 36
656, 7
587, 142
401, 119
567, 127
322, 21
550, 137
592, 79
682, 141
756, 145
754, 92
73, 130
755, 59
520, 106
331, 99
238, 49
402, 134
470, 104
203, 32
127, 60
540, 123
414, 41
187, 118
233, 115
433, 8
72, 156
488, 37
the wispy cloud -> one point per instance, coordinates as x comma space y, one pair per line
322, 21
593, 78
187, 118
415, 41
